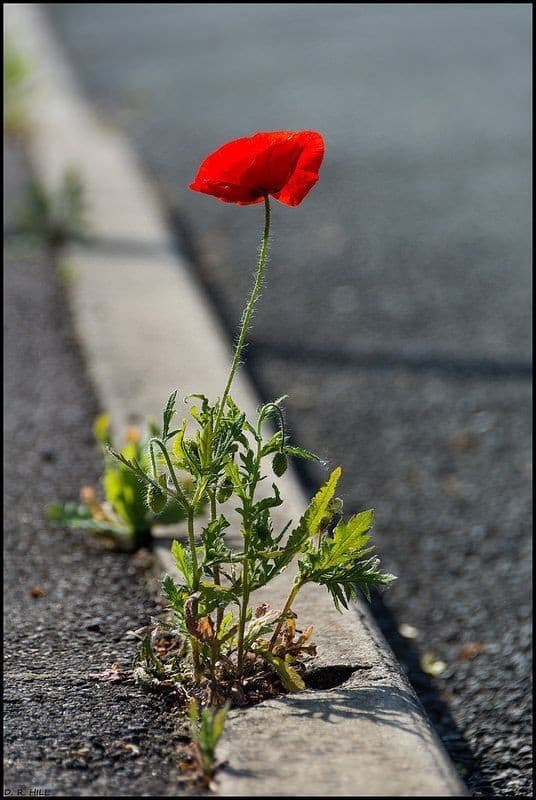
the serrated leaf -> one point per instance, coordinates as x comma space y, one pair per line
233, 473
216, 596
174, 594
349, 540
169, 411
310, 522
183, 561
319, 506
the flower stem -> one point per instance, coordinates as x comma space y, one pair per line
217, 582
191, 541
193, 640
248, 311
180, 494
246, 589
245, 599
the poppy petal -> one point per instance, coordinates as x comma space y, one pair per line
283, 164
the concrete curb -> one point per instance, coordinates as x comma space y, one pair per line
133, 300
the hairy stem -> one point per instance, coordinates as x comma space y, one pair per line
180, 494
217, 581
245, 600
264, 413
245, 564
195, 566
191, 540
248, 312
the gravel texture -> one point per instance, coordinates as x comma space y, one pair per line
66, 732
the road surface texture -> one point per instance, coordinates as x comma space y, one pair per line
396, 313
65, 732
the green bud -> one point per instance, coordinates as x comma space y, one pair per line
156, 499
279, 464
224, 491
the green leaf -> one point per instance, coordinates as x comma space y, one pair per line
309, 525
126, 494
268, 502
183, 561
169, 411
212, 537
215, 596
233, 473
219, 723
175, 595
349, 540
300, 452
177, 448
319, 506
363, 574
273, 445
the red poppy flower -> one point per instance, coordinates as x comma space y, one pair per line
283, 164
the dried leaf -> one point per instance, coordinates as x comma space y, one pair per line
205, 629
261, 610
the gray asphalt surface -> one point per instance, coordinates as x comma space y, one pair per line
66, 733
397, 308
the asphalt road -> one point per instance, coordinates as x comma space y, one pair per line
396, 313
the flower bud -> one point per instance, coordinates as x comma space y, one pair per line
279, 464
156, 499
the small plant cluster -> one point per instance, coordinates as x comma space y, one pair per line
222, 644
16, 89
125, 517
56, 216
231, 648
206, 727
